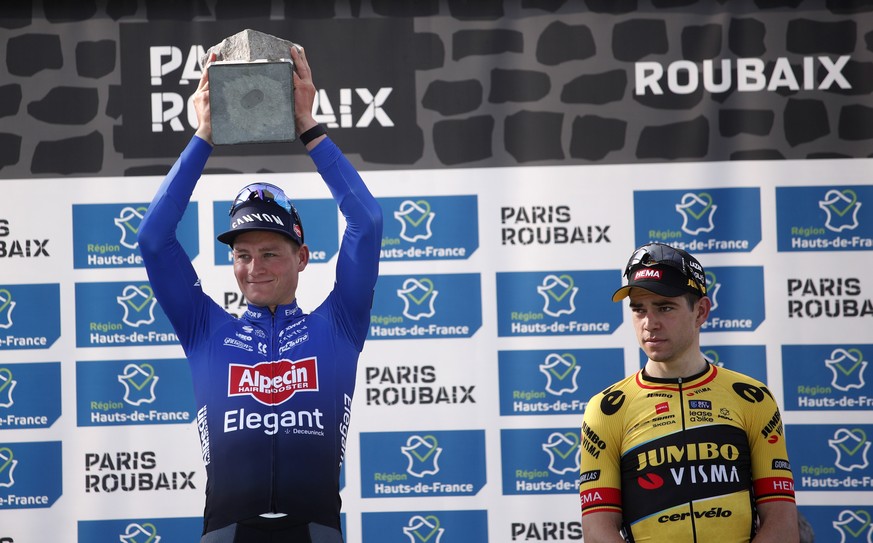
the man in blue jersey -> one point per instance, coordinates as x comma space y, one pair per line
273, 388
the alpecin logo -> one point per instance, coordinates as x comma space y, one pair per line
273, 383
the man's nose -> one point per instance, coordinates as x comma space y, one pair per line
256, 265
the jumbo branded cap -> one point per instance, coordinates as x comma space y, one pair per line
261, 206
664, 270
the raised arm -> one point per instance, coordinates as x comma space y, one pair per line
171, 275
358, 261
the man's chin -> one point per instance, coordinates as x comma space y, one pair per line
656, 356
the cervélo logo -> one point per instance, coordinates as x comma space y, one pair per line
273, 383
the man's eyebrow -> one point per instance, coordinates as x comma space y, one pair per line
659, 303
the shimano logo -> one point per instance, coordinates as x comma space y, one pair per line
233, 342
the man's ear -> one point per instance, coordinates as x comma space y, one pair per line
303, 256
704, 305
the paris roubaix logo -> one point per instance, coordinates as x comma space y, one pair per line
273, 383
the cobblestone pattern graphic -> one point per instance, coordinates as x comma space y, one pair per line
513, 83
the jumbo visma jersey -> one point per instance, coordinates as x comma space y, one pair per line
273, 391
684, 460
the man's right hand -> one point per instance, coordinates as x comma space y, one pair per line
201, 104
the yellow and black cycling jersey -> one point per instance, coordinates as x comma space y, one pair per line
684, 460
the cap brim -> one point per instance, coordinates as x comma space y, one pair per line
652, 286
228, 237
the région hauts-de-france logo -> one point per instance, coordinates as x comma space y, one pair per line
128, 221
424, 529
7, 304
422, 455
139, 382
848, 367
696, 211
140, 533
7, 385
559, 295
561, 371
139, 305
7, 466
418, 297
851, 526
851, 446
564, 452
415, 218
841, 209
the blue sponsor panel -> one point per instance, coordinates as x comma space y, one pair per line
700, 221
120, 314
827, 218
113, 393
737, 295
320, 229
540, 461
840, 523
557, 303
430, 228
831, 457
104, 235
422, 463
555, 382
145, 530
830, 377
30, 395
426, 306
425, 527
30, 316
30, 475
749, 360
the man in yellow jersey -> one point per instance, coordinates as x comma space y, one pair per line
682, 451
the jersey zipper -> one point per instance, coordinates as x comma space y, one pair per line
685, 440
274, 444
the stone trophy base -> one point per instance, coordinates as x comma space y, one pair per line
251, 90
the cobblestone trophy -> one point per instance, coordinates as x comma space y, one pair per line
251, 91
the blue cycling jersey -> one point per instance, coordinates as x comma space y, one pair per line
273, 390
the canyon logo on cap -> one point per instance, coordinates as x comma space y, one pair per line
664, 270
262, 206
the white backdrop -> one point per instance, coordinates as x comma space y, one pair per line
471, 367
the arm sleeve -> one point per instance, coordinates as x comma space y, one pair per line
358, 262
600, 460
771, 472
171, 275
